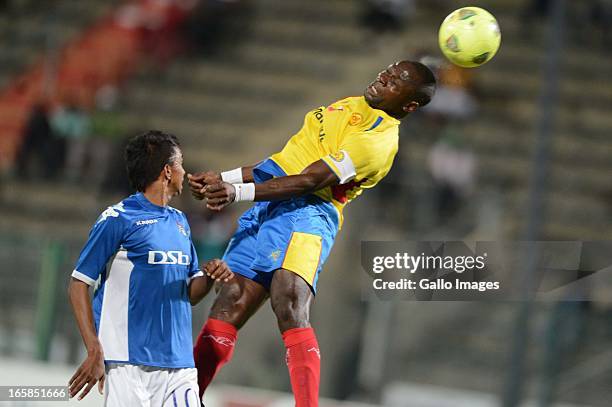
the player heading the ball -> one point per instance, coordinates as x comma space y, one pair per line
282, 242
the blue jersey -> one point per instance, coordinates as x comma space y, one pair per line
143, 256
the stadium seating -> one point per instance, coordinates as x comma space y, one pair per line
243, 97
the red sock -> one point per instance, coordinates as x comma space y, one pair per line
304, 363
213, 349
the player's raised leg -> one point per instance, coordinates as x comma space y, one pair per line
291, 297
237, 301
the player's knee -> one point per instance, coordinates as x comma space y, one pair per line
291, 311
290, 296
233, 315
230, 307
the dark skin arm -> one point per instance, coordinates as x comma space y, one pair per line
315, 177
198, 181
215, 270
91, 370
247, 173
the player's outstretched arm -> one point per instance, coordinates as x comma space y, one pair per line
316, 176
199, 180
91, 370
214, 270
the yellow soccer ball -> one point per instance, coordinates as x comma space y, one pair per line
469, 37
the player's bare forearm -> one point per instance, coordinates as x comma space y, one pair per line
315, 177
290, 186
91, 371
199, 288
215, 270
81, 306
247, 173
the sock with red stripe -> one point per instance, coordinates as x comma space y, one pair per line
304, 364
213, 349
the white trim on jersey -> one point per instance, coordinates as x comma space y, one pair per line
113, 331
82, 277
196, 275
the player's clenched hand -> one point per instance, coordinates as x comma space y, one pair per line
88, 374
219, 195
198, 181
195, 186
218, 270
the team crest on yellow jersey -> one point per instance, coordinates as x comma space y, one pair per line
355, 119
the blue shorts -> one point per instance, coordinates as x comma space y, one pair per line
296, 235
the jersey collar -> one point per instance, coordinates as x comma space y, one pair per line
381, 113
385, 116
149, 205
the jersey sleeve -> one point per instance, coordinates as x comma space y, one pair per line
103, 242
194, 267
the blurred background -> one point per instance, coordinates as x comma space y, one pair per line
519, 149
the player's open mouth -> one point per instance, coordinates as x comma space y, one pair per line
372, 89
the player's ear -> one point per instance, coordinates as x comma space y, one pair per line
167, 171
411, 107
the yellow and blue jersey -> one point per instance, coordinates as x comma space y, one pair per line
357, 142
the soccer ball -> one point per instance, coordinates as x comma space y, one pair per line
469, 37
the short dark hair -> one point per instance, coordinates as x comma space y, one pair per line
428, 84
147, 154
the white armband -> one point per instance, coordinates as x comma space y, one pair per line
244, 192
232, 176
345, 168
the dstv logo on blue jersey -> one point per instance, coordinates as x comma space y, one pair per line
171, 257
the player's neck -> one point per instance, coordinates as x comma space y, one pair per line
396, 115
158, 194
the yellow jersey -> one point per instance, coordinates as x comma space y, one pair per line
357, 142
